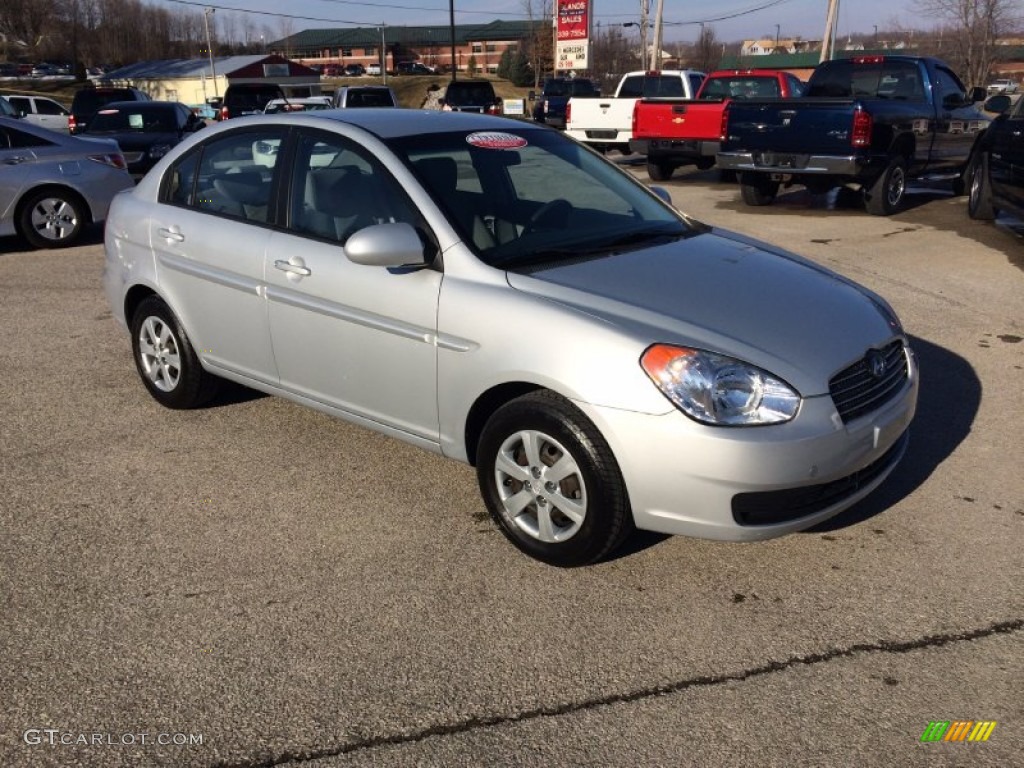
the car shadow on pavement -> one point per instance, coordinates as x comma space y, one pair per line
230, 393
947, 405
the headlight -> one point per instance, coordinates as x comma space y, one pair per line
719, 390
159, 150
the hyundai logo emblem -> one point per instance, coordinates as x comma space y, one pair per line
875, 362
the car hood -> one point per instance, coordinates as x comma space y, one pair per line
726, 293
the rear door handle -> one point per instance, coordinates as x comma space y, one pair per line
171, 233
293, 269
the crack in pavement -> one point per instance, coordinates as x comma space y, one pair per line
489, 721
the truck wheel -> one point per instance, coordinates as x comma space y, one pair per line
705, 163
659, 171
979, 200
886, 195
757, 189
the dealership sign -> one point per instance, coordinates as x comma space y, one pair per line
572, 18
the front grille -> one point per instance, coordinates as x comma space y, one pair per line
870, 382
774, 507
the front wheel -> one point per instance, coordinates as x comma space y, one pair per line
885, 196
52, 219
758, 189
979, 199
165, 359
550, 481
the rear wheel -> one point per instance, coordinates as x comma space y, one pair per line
550, 481
52, 218
979, 199
886, 195
659, 170
758, 189
705, 163
165, 359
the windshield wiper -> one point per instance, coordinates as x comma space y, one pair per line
590, 249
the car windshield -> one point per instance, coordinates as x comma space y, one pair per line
523, 196
369, 98
140, 119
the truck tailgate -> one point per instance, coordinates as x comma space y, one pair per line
688, 119
804, 126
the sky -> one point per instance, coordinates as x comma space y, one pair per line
750, 18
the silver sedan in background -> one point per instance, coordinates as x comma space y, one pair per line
497, 293
52, 185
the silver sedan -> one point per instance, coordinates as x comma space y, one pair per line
52, 185
495, 292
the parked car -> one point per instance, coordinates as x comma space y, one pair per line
248, 99
42, 110
144, 130
471, 96
306, 104
413, 68
1006, 86
354, 70
39, 199
373, 70
88, 101
676, 132
603, 360
878, 122
365, 96
996, 178
554, 97
607, 123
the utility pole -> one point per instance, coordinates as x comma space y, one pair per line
209, 49
656, 54
451, 29
383, 54
827, 40
645, 11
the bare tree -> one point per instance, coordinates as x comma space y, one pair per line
540, 44
970, 28
707, 51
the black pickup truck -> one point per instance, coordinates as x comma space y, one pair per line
550, 107
874, 121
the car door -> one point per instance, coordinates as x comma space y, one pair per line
355, 337
210, 237
1006, 156
958, 123
50, 114
18, 155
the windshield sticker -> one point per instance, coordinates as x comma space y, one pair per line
496, 140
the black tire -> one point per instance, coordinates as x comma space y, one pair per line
757, 189
705, 163
182, 386
886, 195
659, 170
979, 198
594, 482
52, 218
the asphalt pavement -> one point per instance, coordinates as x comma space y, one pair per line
257, 584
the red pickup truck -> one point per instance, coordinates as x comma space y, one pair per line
675, 132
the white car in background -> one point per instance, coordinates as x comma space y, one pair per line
1006, 86
306, 104
42, 111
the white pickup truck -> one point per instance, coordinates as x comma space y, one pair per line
608, 123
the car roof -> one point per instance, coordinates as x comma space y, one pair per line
389, 123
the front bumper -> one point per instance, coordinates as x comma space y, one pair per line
753, 483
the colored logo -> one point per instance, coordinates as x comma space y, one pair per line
496, 140
958, 730
876, 363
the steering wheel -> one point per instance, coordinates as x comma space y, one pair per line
552, 215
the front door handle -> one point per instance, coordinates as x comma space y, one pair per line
171, 233
293, 269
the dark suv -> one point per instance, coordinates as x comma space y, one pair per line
550, 107
471, 96
248, 99
88, 101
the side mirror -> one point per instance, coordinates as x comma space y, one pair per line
977, 94
386, 245
662, 193
532, 95
999, 104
